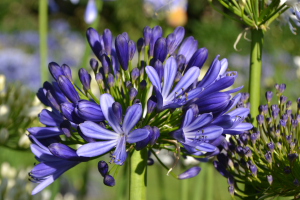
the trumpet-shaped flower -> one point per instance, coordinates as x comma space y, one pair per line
116, 138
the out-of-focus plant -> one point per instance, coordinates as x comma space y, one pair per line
257, 15
18, 111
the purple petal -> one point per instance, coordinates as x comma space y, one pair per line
188, 117
218, 85
159, 98
67, 88
96, 148
153, 77
242, 112
44, 132
188, 78
90, 13
55, 70
106, 102
132, 116
95, 41
211, 132
170, 70
137, 135
200, 121
179, 33
64, 152
205, 147
224, 65
240, 128
42, 154
212, 73
234, 90
93, 130
49, 118
224, 121
190, 173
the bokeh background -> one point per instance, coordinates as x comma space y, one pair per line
20, 62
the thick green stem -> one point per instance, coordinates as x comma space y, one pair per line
43, 24
255, 71
138, 175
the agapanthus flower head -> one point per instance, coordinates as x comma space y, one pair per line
273, 145
143, 106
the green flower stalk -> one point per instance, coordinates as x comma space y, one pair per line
18, 111
265, 159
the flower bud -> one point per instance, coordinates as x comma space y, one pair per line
68, 111
89, 111
269, 95
90, 13
125, 35
296, 182
55, 70
102, 167
140, 44
110, 80
107, 39
99, 78
85, 78
247, 152
288, 104
231, 190
268, 157
170, 40
282, 99
160, 49
147, 33
180, 60
135, 74
179, 34
253, 137
289, 138
131, 49
109, 180
178, 77
156, 33
150, 161
94, 64
65, 126
132, 93
271, 146
188, 47
154, 136
136, 101
118, 112
190, 173
67, 71
253, 169
122, 51
151, 104
158, 66
281, 88
105, 61
270, 179
128, 85
287, 170
198, 59
52, 101
143, 85
260, 119
67, 88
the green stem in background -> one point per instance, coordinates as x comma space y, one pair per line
43, 23
209, 181
138, 175
184, 189
255, 71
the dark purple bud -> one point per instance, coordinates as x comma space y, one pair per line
178, 76
105, 61
156, 33
102, 167
296, 182
158, 66
67, 71
268, 157
85, 78
289, 138
147, 33
292, 157
143, 85
150, 161
239, 150
231, 190
281, 88
65, 126
94, 64
198, 59
188, 47
253, 137
154, 136
269, 95
122, 51
67, 88
271, 146
95, 41
223, 159
179, 34
132, 93
190, 173
135, 74
220, 168
274, 114
131, 49
55, 70
109, 180
244, 97
142, 144
99, 78
160, 49
244, 138
288, 104
140, 44
298, 100
287, 170
276, 86
247, 105
269, 120
247, 152
85, 138
279, 145
128, 85
110, 80
52, 101
68, 111
282, 99
270, 179
89, 111
107, 39
151, 104
260, 119
125, 35
253, 169
180, 60
118, 112
170, 42
136, 101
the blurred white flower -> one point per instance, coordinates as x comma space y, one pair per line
90, 12
24, 141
